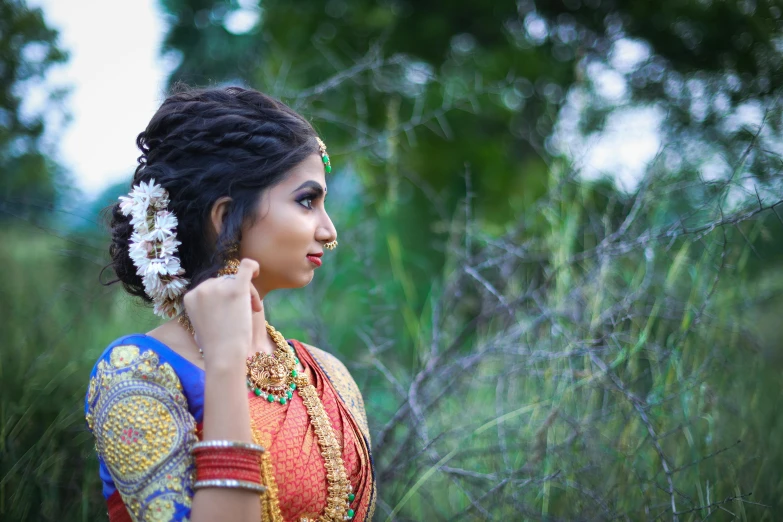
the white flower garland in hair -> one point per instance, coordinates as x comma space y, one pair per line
153, 246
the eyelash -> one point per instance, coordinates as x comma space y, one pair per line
307, 197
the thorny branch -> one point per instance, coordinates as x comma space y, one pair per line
450, 370
553, 358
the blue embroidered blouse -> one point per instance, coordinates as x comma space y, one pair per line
143, 405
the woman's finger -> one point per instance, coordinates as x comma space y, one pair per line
248, 269
255, 299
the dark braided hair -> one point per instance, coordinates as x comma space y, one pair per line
201, 145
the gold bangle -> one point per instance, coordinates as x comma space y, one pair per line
229, 483
227, 444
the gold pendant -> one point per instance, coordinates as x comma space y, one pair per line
273, 375
269, 373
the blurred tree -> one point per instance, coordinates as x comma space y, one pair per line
412, 95
510, 63
28, 49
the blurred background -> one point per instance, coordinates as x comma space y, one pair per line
558, 283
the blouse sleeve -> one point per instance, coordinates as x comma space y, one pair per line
143, 432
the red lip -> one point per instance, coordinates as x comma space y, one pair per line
315, 259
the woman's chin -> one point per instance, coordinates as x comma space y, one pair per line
288, 280
302, 281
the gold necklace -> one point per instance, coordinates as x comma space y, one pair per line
276, 375
273, 375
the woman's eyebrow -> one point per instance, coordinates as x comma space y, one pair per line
311, 184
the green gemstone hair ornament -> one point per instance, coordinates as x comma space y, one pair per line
324, 155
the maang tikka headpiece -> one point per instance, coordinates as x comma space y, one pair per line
324, 155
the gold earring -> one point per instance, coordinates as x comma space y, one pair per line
232, 261
331, 245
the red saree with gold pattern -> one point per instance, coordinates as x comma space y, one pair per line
140, 368
298, 469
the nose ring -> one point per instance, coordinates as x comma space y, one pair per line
331, 245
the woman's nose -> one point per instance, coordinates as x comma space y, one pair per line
326, 232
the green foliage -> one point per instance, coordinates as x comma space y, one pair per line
28, 48
610, 359
529, 367
56, 321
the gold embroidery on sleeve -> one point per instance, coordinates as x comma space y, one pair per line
143, 432
161, 509
123, 356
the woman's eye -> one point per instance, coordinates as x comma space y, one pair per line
306, 202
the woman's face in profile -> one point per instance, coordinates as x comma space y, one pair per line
292, 224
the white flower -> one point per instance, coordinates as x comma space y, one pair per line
164, 226
174, 288
166, 267
160, 203
142, 269
168, 247
140, 248
152, 285
149, 191
127, 205
166, 220
153, 247
142, 196
140, 222
168, 308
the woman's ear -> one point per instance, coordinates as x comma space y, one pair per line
217, 215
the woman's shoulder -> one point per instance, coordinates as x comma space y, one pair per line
342, 380
158, 342
131, 363
136, 356
333, 367
118, 351
140, 365
324, 357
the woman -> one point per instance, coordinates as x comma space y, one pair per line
213, 415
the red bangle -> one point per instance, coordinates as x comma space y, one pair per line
228, 473
227, 463
250, 461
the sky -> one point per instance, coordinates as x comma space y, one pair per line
117, 79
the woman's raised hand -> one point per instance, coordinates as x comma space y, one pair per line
220, 310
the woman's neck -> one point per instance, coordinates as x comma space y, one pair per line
176, 337
261, 341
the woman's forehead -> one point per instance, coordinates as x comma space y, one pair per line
311, 169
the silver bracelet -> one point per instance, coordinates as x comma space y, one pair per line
227, 444
229, 483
